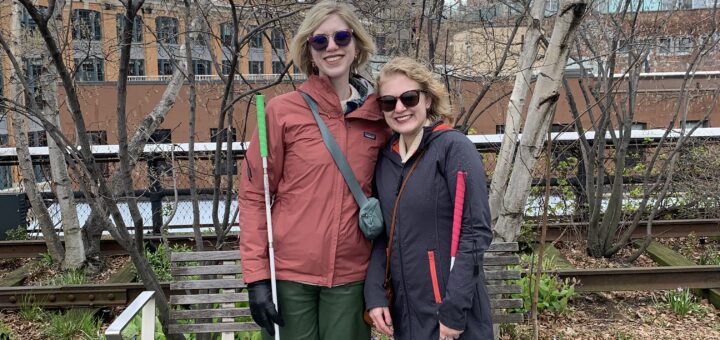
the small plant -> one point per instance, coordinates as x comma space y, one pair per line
5, 331
132, 331
681, 302
31, 312
160, 260
16, 234
553, 293
710, 258
46, 259
70, 277
72, 324
620, 335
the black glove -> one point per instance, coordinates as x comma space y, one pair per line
262, 307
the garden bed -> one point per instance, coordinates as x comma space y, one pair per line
575, 253
45, 274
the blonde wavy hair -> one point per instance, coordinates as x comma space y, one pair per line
299, 49
440, 106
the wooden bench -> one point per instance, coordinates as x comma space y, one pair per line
209, 285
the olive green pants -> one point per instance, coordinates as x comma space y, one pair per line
321, 313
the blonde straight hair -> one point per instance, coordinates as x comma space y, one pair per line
434, 88
300, 50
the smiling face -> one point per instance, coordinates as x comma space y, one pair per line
334, 61
406, 121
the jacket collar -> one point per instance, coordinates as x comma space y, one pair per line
430, 132
321, 90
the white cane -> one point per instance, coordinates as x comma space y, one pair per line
262, 133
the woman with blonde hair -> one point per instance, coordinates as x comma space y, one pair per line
321, 255
416, 177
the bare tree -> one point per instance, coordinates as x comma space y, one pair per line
542, 106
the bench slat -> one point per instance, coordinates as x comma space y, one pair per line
503, 247
500, 260
504, 289
208, 313
208, 298
506, 303
194, 256
213, 327
502, 275
205, 270
508, 318
208, 284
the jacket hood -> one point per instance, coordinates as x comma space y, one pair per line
430, 133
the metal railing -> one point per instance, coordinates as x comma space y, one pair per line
145, 302
203, 78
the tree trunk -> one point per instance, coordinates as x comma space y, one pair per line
74, 248
543, 102
54, 245
513, 118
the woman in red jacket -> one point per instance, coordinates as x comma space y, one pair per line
321, 255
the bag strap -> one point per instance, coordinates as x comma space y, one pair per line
388, 250
336, 153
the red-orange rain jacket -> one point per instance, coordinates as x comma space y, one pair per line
315, 218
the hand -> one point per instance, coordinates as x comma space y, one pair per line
447, 333
262, 307
382, 320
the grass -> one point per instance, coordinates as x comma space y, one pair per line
70, 277
682, 302
72, 324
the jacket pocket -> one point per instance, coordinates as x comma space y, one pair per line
434, 276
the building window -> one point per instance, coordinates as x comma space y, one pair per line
136, 67
222, 135
226, 67
256, 41
137, 33
89, 69
623, 46
278, 40
664, 45
86, 25
33, 71
256, 67
500, 129
160, 136
167, 30
36, 139
638, 126
380, 45
685, 45
201, 67
278, 67
165, 67
226, 33
27, 22
691, 124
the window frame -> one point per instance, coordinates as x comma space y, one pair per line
86, 25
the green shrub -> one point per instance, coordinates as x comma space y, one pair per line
132, 331
710, 258
160, 260
16, 234
553, 293
72, 324
681, 302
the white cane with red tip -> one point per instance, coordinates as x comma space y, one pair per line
457, 216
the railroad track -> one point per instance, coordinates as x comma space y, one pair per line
560, 231
589, 280
660, 229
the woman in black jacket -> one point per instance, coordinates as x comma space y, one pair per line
421, 162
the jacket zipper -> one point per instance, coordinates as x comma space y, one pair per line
434, 277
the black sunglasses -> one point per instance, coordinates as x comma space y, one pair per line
319, 42
408, 99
